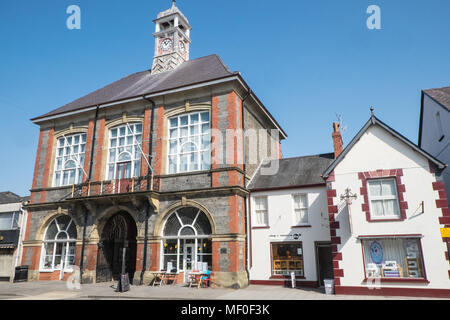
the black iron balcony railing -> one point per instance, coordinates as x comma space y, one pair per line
114, 187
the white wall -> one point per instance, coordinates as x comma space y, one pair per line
281, 220
378, 149
431, 134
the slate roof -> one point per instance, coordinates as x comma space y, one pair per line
441, 95
294, 172
144, 83
9, 197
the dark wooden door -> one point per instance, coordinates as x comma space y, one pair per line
324, 262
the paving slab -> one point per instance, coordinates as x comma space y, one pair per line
58, 290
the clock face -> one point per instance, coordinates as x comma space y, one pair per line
182, 47
166, 44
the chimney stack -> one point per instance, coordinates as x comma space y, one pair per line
337, 140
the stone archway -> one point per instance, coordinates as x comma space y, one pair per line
119, 232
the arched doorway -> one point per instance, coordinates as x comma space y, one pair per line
119, 232
186, 241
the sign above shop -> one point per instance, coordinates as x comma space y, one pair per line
294, 236
445, 232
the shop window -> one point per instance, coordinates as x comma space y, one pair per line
261, 212
287, 258
300, 209
393, 258
383, 198
187, 243
58, 248
189, 143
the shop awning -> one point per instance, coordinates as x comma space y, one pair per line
397, 236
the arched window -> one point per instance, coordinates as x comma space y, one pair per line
124, 157
58, 248
189, 143
187, 244
69, 160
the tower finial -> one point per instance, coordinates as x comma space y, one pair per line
173, 3
372, 111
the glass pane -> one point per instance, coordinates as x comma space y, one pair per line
112, 156
173, 133
113, 143
139, 138
121, 142
83, 138
111, 172
138, 128
184, 131
62, 236
174, 122
5, 221
206, 161
76, 140
122, 131
391, 208
183, 163
205, 142
184, 120
172, 164
205, 117
63, 222
61, 142
377, 208
130, 140
124, 157
137, 168
188, 147
69, 140
194, 118
205, 128
194, 130
388, 188
114, 133
187, 231
375, 188
173, 147
172, 226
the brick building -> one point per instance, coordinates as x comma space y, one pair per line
145, 164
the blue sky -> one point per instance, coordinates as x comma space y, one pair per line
306, 60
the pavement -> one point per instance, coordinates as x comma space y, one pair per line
58, 290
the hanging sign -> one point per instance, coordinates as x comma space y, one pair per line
445, 232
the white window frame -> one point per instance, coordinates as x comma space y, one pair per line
76, 157
55, 242
377, 198
294, 209
190, 137
135, 153
13, 215
256, 212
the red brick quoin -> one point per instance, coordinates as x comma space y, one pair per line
441, 203
401, 189
334, 226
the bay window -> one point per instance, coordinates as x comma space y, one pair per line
9, 220
189, 143
383, 198
58, 249
69, 160
124, 151
393, 258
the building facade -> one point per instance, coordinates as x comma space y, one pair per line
288, 224
12, 222
386, 204
434, 127
156, 163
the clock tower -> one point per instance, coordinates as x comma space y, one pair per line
172, 40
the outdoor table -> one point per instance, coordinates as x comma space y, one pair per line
171, 276
195, 279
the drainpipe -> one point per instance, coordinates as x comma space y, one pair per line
150, 152
91, 162
245, 183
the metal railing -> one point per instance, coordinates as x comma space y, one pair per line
111, 187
